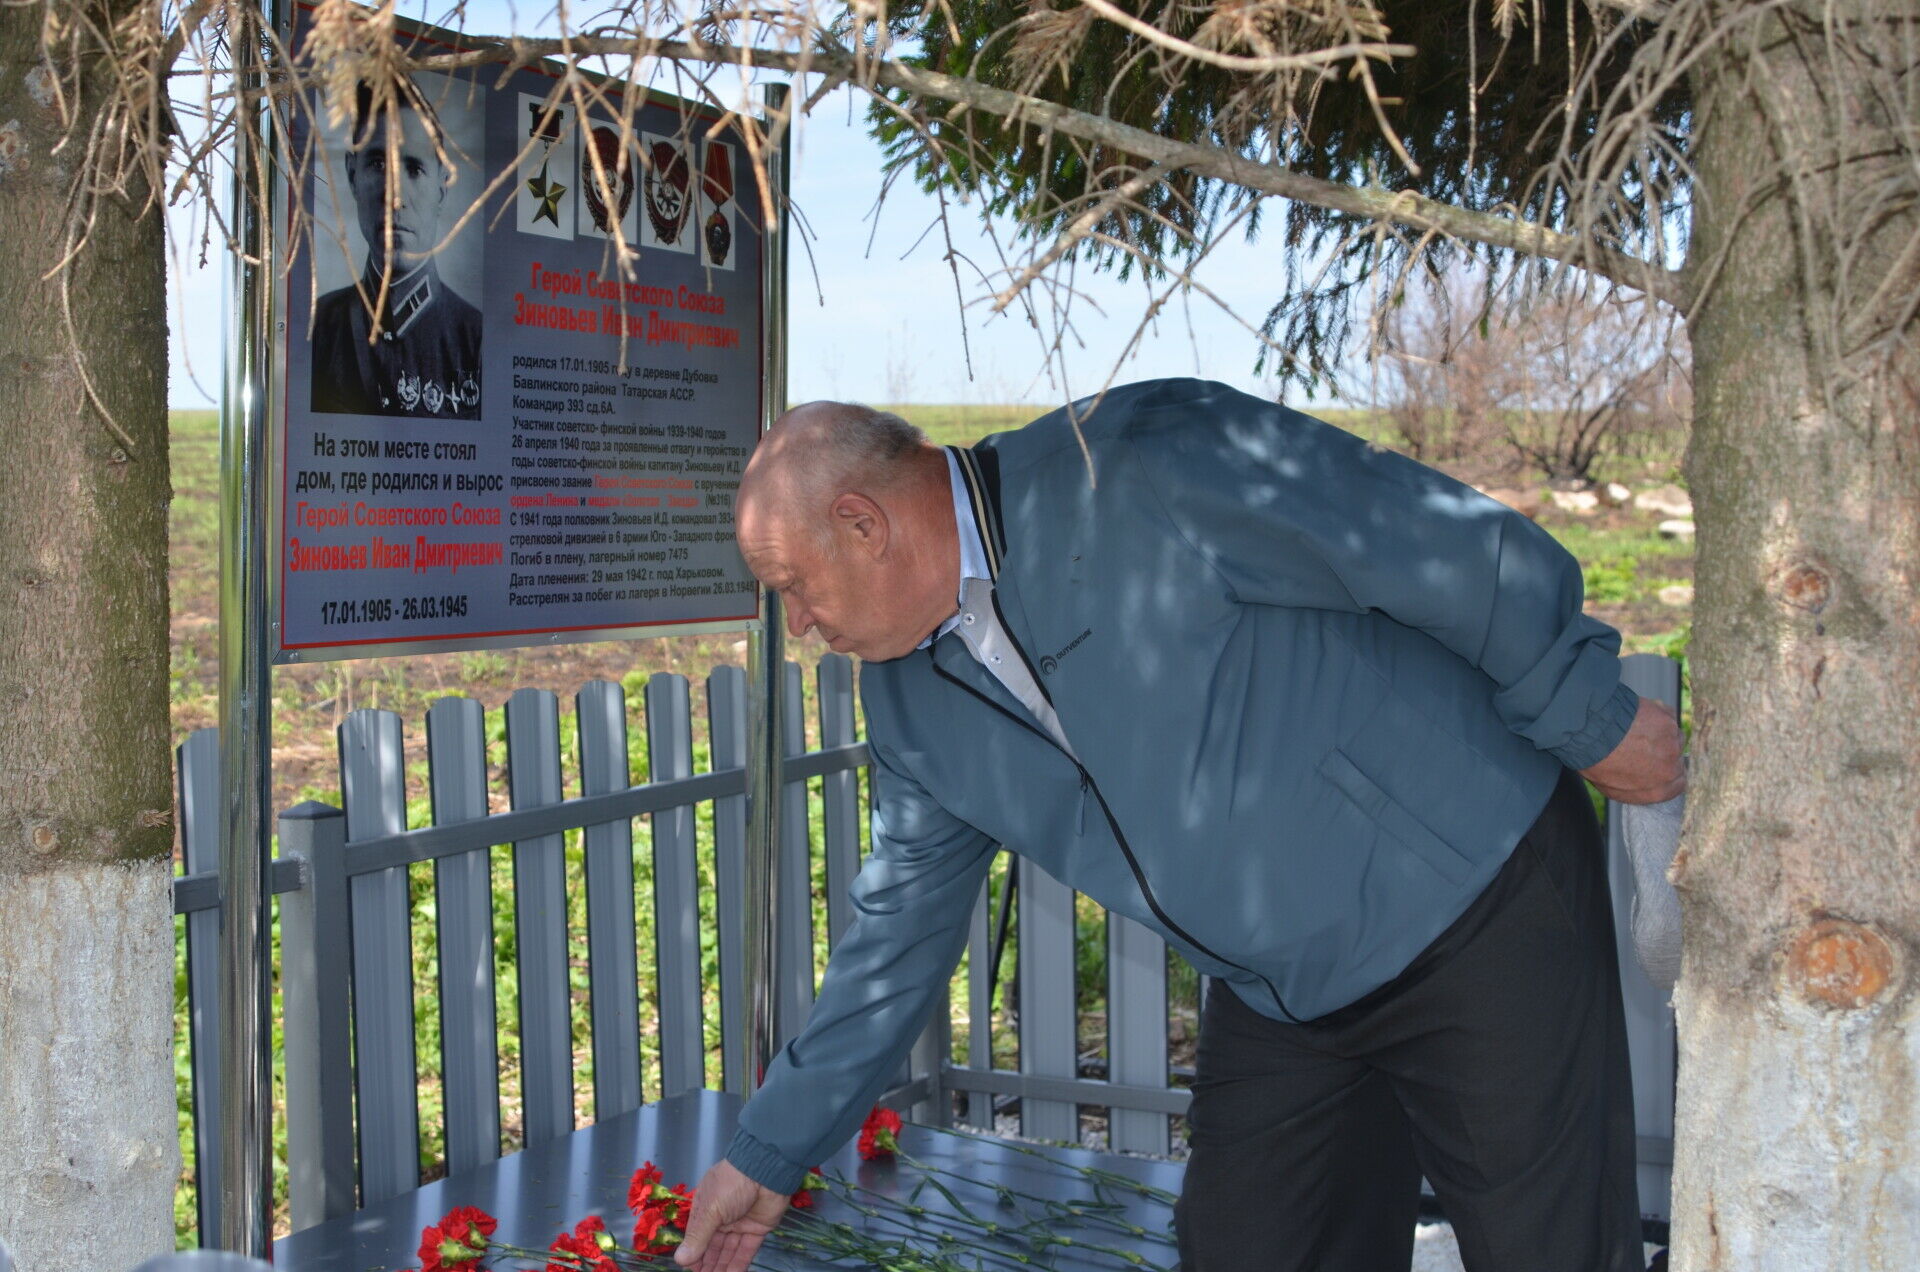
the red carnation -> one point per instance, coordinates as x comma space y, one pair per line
460, 1238
879, 1134
803, 1199
660, 1217
646, 1226
475, 1216
586, 1254
655, 1233
682, 1203
593, 1228
645, 1185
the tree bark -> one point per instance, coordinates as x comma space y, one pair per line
1798, 1126
89, 1154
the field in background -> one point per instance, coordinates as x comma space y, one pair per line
1625, 560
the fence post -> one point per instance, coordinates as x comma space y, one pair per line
793, 927
613, 986
676, 891
727, 731
540, 919
840, 792
979, 1107
199, 778
1048, 1012
1651, 1038
928, 1060
314, 936
373, 785
463, 920
613, 980
1136, 1030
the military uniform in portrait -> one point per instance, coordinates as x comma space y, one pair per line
425, 361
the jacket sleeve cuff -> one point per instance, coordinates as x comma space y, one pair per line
763, 1164
1602, 732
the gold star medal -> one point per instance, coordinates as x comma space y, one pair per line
546, 193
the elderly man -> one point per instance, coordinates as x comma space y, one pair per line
424, 359
1311, 711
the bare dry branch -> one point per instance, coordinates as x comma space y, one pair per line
1402, 206
1318, 60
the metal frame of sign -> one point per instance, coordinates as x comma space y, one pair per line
771, 336
254, 367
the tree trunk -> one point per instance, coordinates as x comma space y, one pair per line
89, 1151
1798, 1128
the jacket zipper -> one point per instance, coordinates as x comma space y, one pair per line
1113, 823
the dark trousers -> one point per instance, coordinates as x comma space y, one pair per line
1496, 1065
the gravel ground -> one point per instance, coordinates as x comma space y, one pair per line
1434, 1249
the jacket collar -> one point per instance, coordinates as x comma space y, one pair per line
952, 660
980, 472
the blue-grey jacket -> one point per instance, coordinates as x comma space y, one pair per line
1318, 692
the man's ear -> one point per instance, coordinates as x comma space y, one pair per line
860, 524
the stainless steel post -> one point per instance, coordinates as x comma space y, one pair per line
766, 662
246, 699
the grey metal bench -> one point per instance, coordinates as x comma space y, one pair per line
535, 1193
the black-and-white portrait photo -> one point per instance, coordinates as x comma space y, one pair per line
394, 330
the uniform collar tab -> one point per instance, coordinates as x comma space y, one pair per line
408, 296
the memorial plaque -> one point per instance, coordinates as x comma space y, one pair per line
539, 437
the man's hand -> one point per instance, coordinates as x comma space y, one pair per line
1645, 767
732, 1215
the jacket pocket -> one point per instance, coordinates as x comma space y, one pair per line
1392, 817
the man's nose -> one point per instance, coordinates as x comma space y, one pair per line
799, 621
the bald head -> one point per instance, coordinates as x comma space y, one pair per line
846, 512
817, 452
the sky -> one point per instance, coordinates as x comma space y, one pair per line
873, 312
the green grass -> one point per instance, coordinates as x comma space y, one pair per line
1625, 566
963, 425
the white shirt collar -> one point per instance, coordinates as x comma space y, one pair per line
973, 556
